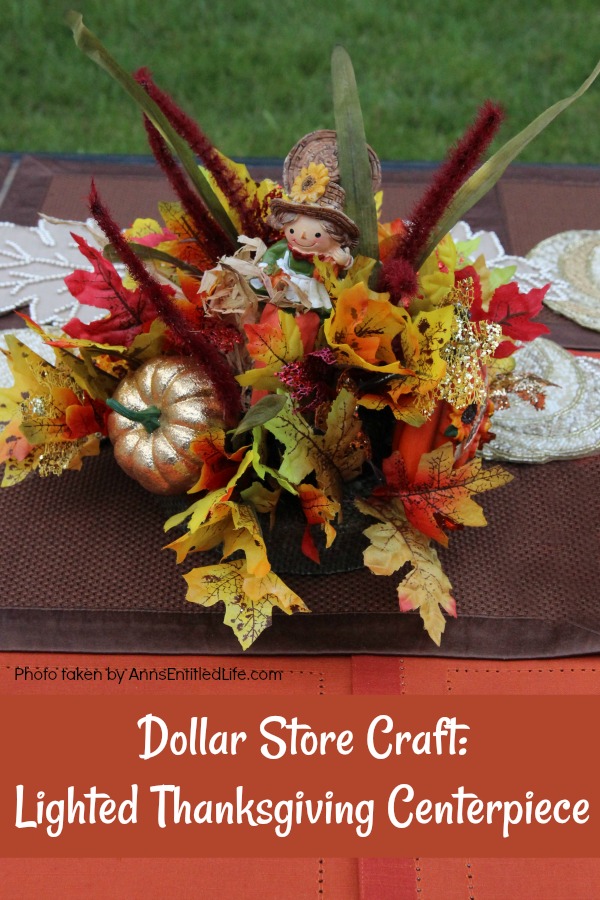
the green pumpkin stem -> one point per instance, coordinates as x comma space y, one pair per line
149, 417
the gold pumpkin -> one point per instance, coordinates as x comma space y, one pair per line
162, 407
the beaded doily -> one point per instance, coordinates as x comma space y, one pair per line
571, 262
569, 425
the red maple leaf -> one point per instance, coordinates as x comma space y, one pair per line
514, 311
129, 312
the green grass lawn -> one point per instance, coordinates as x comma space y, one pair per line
256, 74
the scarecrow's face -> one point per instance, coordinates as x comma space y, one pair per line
309, 236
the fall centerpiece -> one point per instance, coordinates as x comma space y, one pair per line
274, 351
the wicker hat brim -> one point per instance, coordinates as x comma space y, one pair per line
316, 211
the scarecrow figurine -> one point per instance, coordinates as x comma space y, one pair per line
313, 220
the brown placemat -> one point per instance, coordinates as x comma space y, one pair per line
81, 557
82, 569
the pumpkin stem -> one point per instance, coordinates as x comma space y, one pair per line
149, 417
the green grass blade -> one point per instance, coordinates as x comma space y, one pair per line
488, 174
89, 44
355, 169
152, 253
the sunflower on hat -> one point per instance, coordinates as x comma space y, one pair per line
310, 184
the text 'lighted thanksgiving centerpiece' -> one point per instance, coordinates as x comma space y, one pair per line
274, 346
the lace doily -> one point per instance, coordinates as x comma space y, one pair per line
571, 262
34, 261
569, 425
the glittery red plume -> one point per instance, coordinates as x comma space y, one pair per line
225, 383
233, 187
454, 171
398, 276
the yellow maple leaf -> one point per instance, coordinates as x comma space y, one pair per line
436, 275
249, 600
362, 327
246, 535
421, 342
51, 424
335, 456
258, 193
394, 543
359, 272
90, 378
142, 228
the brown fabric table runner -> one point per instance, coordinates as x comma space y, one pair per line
80, 555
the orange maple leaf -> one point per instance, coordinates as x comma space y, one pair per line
440, 495
219, 466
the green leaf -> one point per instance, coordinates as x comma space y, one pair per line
152, 253
335, 456
353, 156
89, 44
488, 174
501, 276
266, 408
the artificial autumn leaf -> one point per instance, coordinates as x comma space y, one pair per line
246, 535
16, 470
259, 194
218, 465
412, 395
363, 326
146, 345
394, 543
318, 509
203, 535
327, 272
206, 515
335, 456
229, 523
271, 345
262, 499
247, 614
53, 423
187, 244
388, 234
71, 343
103, 288
439, 493
148, 232
94, 381
264, 471
513, 311
436, 275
